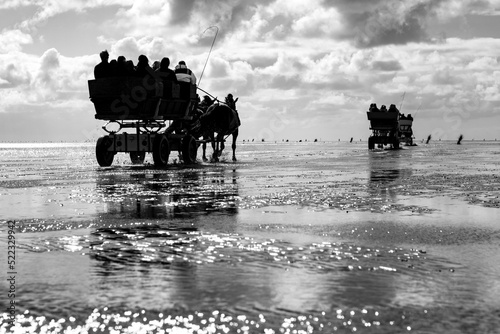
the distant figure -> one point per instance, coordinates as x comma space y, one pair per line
351, 139
143, 69
373, 107
392, 108
428, 139
460, 139
102, 70
383, 108
231, 102
184, 74
165, 73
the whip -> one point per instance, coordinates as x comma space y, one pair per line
213, 42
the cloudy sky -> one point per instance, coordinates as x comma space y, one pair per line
301, 69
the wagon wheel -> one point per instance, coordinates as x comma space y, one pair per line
104, 157
161, 150
189, 149
137, 157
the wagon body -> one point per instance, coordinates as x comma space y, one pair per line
384, 126
406, 131
132, 98
144, 105
383, 120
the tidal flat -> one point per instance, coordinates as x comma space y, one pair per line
311, 237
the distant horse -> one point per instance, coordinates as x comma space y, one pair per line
223, 120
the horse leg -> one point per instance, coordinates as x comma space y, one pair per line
233, 146
215, 148
205, 139
204, 146
222, 146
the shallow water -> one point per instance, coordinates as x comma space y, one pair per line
292, 238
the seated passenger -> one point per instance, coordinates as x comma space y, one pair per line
184, 74
102, 70
130, 67
121, 68
113, 68
165, 73
392, 108
383, 108
156, 65
373, 107
409, 117
142, 69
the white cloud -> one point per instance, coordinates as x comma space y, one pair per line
50, 8
13, 40
320, 22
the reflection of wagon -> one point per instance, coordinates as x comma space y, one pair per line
385, 128
144, 106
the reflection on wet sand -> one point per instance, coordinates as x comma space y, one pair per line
387, 174
138, 252
168, 194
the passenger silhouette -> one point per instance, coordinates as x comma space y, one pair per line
130, 67
392, 108
165, 73
156, 65
373, 107
143, 69
113, 68
103, 70
121, 68
184, 74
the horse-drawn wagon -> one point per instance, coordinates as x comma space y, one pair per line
405, 130
144, 105
385, 128
389, 127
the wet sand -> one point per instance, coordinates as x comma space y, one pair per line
294, 237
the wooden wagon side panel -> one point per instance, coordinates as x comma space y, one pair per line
129, 98
382, 120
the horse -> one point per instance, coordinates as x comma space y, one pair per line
223, 120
